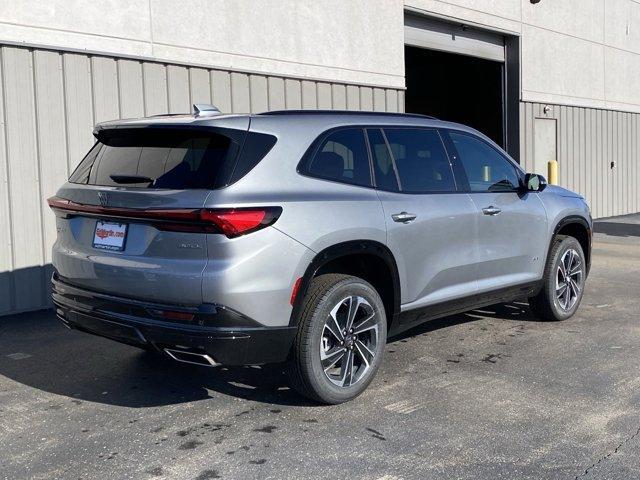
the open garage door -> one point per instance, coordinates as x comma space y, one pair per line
458, 73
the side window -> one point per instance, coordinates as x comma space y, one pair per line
421, 160
382, 162
486, 169
342, 157
83, 171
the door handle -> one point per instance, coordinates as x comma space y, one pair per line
403, 217
491, 210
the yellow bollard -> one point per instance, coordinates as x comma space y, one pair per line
486, 173
552, 170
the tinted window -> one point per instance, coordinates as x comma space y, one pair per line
421, 160
174, 159
486, 169
382, 162
254, 149
83, 171
342, 156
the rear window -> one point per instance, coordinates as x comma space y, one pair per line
171, 159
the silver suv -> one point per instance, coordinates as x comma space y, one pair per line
305, 237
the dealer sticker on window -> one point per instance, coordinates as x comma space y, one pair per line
110, 236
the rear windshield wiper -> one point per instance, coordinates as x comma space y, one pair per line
126, 179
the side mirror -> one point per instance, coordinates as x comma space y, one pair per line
534, 182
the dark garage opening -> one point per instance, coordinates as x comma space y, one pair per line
457, 88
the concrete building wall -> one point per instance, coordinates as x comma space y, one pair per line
49, 102
573, 52
354, 41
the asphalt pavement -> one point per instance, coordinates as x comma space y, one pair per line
491, 394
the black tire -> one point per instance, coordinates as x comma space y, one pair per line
546, 305
304, 368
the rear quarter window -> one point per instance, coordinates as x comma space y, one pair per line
341, 156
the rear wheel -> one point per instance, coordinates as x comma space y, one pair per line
563, 282
341, 337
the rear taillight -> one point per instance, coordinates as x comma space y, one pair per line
238, 222
232, 222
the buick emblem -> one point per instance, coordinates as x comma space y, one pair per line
104, 198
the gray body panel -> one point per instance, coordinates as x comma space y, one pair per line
152, 266
560, 204
511, 245
436, 253
254, 274
452, 250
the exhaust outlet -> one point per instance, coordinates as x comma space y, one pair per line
190, 357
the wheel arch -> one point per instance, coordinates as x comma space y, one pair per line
579, 228
344, 258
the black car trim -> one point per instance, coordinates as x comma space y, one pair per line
576, 219
229, 344
344, 249
346, 113
571, 219
414, 317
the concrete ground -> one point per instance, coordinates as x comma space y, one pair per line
490, 394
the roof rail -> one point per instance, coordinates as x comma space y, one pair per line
344, 112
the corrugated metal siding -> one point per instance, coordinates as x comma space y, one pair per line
588, 140
49, 103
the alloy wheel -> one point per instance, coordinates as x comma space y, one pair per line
349, 341
569, 279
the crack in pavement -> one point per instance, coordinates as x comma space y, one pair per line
608, 455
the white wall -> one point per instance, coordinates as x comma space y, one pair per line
354, 41
496, 14
574, 52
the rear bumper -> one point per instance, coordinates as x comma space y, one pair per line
225, 336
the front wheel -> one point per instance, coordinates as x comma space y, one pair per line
563, 281
341, 337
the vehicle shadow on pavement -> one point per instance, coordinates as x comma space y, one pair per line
515, 311
37, 351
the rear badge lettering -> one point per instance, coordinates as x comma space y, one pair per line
189, 245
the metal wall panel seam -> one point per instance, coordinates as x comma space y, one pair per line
38, 147
11, 257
